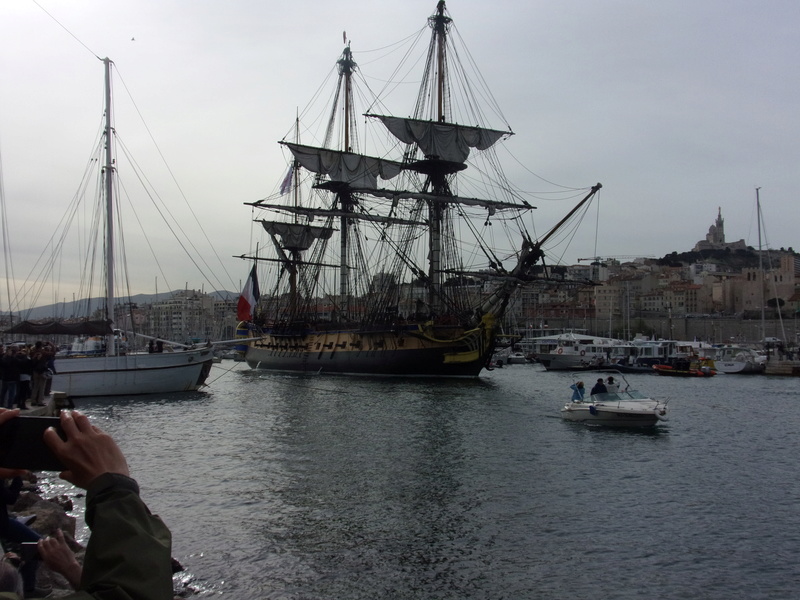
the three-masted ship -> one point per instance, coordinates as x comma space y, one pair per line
386, 268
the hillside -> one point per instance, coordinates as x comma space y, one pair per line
66, 309
728, 260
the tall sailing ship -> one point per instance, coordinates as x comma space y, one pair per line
385, 267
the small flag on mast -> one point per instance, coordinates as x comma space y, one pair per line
286, 184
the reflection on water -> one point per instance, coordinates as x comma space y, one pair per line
280, 486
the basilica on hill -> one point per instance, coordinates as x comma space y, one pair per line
715, 239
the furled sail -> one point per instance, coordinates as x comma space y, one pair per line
492, 205
446, 141
354, 169
311, 213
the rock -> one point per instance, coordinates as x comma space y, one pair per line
49, 515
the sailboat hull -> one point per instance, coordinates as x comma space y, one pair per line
372, 353
132, 374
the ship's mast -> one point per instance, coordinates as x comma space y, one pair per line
438, 23
108, 171
294, 300
346, 67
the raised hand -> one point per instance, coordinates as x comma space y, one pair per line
88, 451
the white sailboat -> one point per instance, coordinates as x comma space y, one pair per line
113, 371
738, 359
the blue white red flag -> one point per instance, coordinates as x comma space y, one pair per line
249, 297
286, 184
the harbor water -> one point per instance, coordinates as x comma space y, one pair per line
322, 487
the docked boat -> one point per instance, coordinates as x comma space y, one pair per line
703, 367
572, 351
396, 277
739, 360
100, 364
516, 358
629, 408
644, 355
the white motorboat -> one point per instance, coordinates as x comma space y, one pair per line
629, 408
516, 358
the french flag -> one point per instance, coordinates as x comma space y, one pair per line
249, 297
286, 184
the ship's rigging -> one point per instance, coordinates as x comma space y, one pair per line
386, 239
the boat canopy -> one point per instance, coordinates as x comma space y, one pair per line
58, 328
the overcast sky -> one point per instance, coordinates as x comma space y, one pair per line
677, 107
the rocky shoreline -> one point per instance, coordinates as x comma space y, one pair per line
46, 516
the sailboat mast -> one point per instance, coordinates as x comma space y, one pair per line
108, 170
760, 265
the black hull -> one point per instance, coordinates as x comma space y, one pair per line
374, 353
425, 363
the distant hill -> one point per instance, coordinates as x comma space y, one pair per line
734, 260
68, 309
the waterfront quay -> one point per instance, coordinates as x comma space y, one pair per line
713, 330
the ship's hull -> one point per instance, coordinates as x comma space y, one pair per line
739, 367
686, 372
132, 374
394, 353
625, 416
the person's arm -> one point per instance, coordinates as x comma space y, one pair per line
128, 554
59, 557
129, 549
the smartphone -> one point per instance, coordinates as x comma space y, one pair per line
28, 551
22, 445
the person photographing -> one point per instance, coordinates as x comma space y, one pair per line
128, 555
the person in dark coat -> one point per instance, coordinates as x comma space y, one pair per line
25, 375
38, 379
50, 355
599, 388
10, 376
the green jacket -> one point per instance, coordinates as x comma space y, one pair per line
128, 554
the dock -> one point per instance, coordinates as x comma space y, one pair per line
783, 367
53, 403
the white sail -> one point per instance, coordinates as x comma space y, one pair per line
447, 141
296, 236
354, 169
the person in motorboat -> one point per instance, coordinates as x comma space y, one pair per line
577, 391
611, 385
599, 388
